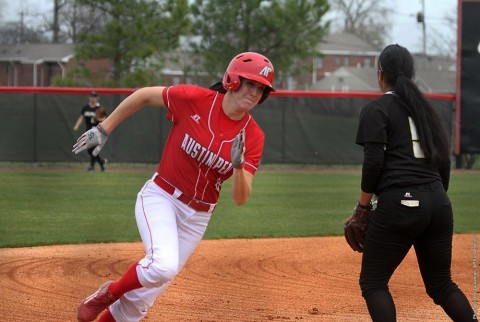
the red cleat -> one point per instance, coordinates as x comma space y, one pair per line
94, 304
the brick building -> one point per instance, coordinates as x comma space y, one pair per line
338, 50
38, 64
346, 64
33, 65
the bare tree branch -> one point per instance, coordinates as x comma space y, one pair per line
367, 19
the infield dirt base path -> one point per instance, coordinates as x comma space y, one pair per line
292, 279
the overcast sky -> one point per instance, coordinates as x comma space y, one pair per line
406, 30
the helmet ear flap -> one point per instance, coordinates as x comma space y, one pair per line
231, 82
265, 94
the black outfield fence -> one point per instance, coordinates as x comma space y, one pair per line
36, 125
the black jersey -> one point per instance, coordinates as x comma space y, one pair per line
88, 113
384, 120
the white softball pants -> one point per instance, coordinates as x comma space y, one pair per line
170, 231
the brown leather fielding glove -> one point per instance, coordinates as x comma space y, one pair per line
356, 225
100, 114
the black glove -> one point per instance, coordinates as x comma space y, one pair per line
356, 225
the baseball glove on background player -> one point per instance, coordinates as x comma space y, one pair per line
356, 225
100, 114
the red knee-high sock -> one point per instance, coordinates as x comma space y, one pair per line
128, 282
106, 317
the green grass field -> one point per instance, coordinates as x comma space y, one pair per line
69, 206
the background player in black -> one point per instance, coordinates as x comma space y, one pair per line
407, 165
91, 117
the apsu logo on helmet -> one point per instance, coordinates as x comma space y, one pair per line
265, 71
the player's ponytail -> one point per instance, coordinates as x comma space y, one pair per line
398, 69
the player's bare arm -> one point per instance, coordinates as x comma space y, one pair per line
78, 123
241, 186
365, 198
147, 96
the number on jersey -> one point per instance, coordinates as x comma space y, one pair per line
417, 149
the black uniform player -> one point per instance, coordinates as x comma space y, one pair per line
90, 116
406, 164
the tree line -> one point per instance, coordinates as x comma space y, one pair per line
139, 36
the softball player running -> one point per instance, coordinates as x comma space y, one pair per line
213, 138
407, 164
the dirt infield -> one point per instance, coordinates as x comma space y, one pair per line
294, 279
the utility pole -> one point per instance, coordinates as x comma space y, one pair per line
57, 5
421, 19
424, 31
22, 28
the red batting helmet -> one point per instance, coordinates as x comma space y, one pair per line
251, 66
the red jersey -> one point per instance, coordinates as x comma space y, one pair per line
196, 158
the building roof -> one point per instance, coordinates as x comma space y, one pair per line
36, 53
365, 79
435, 73
346, 44
348, 79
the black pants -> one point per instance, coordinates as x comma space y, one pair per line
94, 159
421, 216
